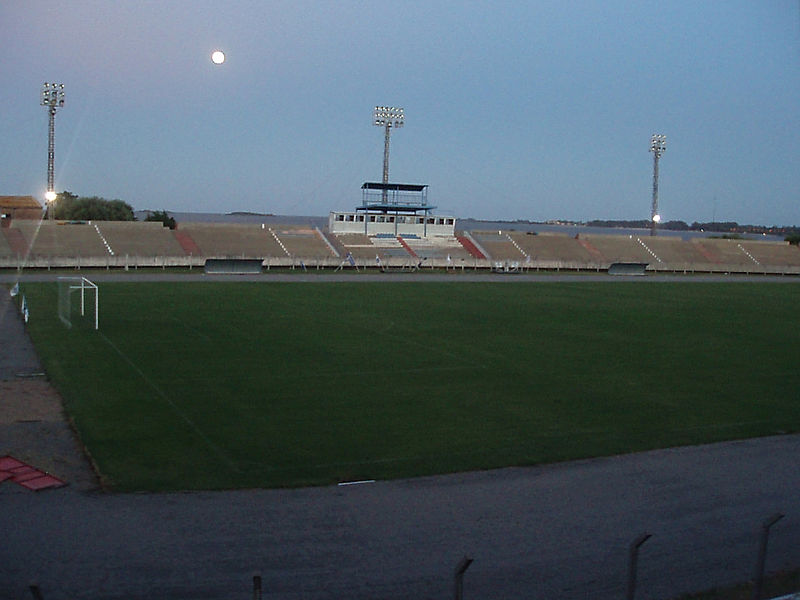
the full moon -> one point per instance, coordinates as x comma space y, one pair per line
218, 57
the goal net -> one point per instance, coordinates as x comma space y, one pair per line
78, 301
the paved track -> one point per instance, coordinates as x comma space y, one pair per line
323, 276
559, 531
551, 532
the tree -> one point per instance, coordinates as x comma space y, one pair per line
162, 216
793, 239
70, 207
64, 202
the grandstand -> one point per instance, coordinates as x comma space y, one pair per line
19, 207
5, 247
442, 247
381, 246
358, 245
617, 248
50, 239
391, 240
773, 254
138, 239
671, 253
730, 253
224, 240
497, 246
302, 242
552, 250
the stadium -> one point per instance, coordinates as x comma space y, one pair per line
446, 384
378, 350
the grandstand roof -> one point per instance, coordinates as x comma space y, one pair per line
381, 207
398, 187
19, 202
394, 197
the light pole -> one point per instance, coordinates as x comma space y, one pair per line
658, 145
53, 99
387, 117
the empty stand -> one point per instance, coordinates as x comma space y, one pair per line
223, 240
187, 244
368, 247
773, 254
48, 238
672, 251
303, 242
725, 252
619, 248
139, 239
552, 248
439, 247
5, 247
470, 247
17, 244
498, 245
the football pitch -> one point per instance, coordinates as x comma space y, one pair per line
200, 385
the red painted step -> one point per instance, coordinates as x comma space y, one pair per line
407, 247
469, 246
592, 250
189, 246
26, 475
707, 253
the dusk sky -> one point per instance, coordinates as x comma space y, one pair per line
514, 110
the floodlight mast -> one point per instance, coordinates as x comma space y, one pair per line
53, 99
658, 145
387, 117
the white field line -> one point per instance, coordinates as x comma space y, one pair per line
216, 449
382, 372
363, 481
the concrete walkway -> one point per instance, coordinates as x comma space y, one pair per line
552, 532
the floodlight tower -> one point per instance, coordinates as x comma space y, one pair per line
387, 117
53, 99
658, 145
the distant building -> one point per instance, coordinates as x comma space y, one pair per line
19, 207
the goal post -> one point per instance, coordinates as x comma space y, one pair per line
67, 286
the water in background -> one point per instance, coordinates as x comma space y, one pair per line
461, 225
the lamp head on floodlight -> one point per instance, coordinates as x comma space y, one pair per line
658, 144
388, 116
656, 218
53, 95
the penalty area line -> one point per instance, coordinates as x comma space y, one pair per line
216, 449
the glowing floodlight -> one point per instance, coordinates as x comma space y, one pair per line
656, 218
218, 57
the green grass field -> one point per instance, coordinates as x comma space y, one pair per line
227, 385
